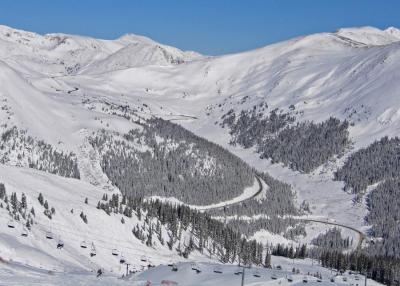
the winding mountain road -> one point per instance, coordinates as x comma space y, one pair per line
233, 202
361, 235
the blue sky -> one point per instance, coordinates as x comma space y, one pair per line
208, 26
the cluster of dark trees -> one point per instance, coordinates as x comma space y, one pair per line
379, 268
332, 239
299, 251
175, 163
307, 145
36, 154
377, 162
207, 233
384, 215
303, 146
17, 208
251, 127
49, 212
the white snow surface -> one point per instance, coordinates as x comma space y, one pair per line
104, 231
14, 274
55, 86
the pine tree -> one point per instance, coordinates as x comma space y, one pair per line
40, 198
24, 204
2, 191
267, 261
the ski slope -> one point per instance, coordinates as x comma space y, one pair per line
104, 231
60, 88
14, 274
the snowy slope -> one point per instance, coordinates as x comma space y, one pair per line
162, 275
321, 75
61, 88
106, 232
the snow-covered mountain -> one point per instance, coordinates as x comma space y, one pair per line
61, 54
63, 89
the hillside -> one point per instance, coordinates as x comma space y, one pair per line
148, 121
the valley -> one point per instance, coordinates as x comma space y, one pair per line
179, 157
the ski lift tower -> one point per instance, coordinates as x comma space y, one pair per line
243, 273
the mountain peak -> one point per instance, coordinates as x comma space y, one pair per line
393, 31
133, 38
370, 36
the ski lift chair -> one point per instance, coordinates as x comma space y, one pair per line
218, 269
92, 250
274, 276
122, 259
305, 279
83, 244
174, 268
238, 271
257, 274
24, 232
60, 244
114, 252
143, 258
49, 235
150, 264
11, 224
193, 266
